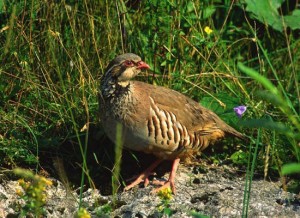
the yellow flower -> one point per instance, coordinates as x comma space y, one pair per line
19, 192
208, 30
48, 182
82, 213
165, 194
21, 181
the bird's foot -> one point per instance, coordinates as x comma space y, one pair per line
164, 185
143, 177
171, 181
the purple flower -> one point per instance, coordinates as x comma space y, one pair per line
239, 110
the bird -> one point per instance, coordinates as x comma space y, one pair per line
155, 119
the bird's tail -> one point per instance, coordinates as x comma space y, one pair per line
231, 131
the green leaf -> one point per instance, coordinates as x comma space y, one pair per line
168, 211
239, 157
266, 11
293, 20
195, 214
290, 168
190, 6
267, 124
164, 63
1, 6
229, 101
208, 11
270, 97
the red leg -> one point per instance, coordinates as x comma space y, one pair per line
171, 181
144, 175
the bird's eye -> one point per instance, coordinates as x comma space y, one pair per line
129, 63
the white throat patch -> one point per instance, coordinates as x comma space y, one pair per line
127, 74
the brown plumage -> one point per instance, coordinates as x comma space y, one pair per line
155, 119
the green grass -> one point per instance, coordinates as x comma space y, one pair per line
53, 55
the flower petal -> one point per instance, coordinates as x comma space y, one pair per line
240, 110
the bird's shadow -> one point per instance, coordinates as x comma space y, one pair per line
65, 163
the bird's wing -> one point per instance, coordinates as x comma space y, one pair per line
188, 112
174, 121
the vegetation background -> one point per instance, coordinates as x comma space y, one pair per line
53, 54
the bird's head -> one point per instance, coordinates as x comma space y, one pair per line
124, 67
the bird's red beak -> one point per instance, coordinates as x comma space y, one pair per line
142, 65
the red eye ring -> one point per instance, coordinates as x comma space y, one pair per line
128, 63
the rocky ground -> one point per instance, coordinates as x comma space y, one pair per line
216, 192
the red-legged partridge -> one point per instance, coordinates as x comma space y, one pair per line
155, 119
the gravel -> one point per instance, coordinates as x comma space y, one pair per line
218, 192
